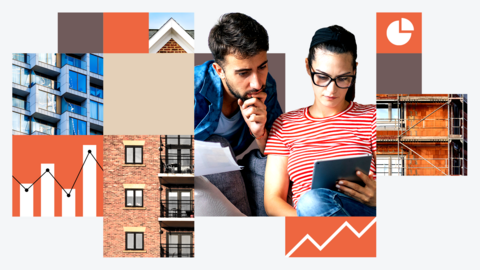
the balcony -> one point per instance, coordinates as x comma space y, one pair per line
173, 164
73, 108
96, 92
177, 208
22, 57
177, 250
68, 60
45, 82
19, 103
42, 129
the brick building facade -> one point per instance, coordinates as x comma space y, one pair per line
136, 224
172, 47
422, 134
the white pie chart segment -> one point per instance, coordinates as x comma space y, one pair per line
394, 35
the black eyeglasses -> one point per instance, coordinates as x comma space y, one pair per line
323, 80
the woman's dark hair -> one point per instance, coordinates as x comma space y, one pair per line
237, 33
338, 45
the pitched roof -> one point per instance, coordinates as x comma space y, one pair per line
171, 29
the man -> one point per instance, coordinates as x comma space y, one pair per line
236, 99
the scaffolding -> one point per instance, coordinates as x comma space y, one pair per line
408, 131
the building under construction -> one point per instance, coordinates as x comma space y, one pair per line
422, 134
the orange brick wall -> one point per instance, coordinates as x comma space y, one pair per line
434, 125
434, 152
115, 217
171, 47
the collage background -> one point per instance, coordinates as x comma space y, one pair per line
423, 222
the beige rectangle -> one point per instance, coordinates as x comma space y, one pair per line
134, 229
136, 186
133, 142
148, 94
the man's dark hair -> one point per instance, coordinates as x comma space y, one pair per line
338, 47
239, 34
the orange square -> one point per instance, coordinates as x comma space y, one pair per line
125, 32
399, 32
330, 237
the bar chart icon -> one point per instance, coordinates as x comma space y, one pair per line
62, 177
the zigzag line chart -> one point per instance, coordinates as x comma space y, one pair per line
321, 247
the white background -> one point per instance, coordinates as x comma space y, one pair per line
423, 222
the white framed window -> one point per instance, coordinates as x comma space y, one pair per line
390, 165
389, 116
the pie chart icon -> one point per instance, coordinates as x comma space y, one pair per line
395, 36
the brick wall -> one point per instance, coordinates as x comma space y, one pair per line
434, 152
171, 47
115, 216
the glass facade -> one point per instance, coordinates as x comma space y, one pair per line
21, 123
74, 62
96, 92
36, 79
22, 57
20, 102
96, 110
77, 81
47, 101
96, 64
20, 76
77, 127
74, 108
48, 58
44, 127
42, 82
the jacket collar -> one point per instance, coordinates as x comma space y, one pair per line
212, 86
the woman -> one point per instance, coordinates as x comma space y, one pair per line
334, 126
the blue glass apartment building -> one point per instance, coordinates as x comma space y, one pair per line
57, 94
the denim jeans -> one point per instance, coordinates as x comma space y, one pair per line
326, 203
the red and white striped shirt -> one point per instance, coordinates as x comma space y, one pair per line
305, 139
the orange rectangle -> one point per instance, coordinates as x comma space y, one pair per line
330, 236
399, 32
125, 32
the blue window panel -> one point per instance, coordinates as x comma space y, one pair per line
100, 66
100, 112
82, 83
72, 80
77, 127
93, 64
73, 126
16, 121
16, 74
25, 77
25, 124
82, 127
93, 109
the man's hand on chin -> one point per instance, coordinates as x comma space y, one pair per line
254, 113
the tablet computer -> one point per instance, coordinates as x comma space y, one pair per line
326, 172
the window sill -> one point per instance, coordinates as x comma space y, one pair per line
134, 208
134, 251
133, 165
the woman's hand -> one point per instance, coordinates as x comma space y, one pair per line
366, 195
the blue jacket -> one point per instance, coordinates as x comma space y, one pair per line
208, 106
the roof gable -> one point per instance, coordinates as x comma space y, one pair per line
171, 30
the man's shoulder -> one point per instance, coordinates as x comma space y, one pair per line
270, 85
201, 72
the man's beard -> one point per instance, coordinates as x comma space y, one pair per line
237, 94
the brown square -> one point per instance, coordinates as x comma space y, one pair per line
80, 32
399, 73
